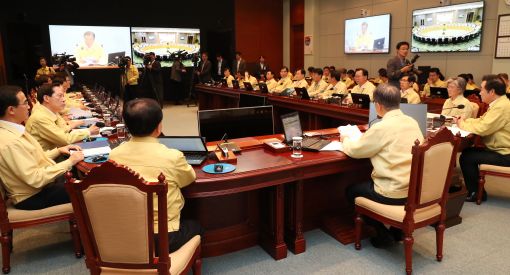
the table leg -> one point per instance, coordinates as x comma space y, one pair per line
274, 244
294, 230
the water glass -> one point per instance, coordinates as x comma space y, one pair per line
107, 120
121, 131
297, 143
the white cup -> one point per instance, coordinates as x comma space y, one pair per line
297, 143
121, 131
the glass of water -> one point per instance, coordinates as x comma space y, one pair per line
107, 119
297, 143
121, 131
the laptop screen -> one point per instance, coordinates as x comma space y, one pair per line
184, 144
416, 111
291, 126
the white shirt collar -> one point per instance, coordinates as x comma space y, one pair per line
16, 126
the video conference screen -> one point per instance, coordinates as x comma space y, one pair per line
368, 34
455, 28
166, 43
91, 45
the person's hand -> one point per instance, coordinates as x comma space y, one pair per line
83, 107
429, 81
76, 157
406, 68
94, 130
149, 66
458, 120
75, 123
67, 149
342, 138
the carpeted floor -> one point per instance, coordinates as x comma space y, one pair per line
480, 245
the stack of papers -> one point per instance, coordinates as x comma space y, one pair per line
456, 130
351, 131
333, 146
77, 112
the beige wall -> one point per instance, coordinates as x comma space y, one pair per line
286, 33
324, 19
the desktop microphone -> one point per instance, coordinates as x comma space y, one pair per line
460, 106
100, 124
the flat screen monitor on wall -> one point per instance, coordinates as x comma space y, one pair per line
91, 45
454, 28
166, 43
369, 34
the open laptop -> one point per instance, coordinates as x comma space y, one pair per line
113, 58
416, 111
223, 82
439, 92
302, 93
362, 99
292, 128
193, 147
235, 84
379, 44
263, 88
248, 86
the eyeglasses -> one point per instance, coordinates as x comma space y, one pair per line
24, 103
58, 96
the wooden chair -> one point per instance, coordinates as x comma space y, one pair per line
114, 211
491, 170
12, 218
431, 171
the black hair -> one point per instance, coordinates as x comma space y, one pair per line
318, 71
401, 43
310, 69
382, 72
238, 53
496, 83
8, 97
365, 72
332, 68
226, 68
325, 67
470, 76
388, 96
285, 67
410, 77
342, 71
142, 116
435, 70
351, 72
301, 70
465, 76
46, 89
336, 75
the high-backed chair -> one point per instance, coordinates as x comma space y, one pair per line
114, 211
12, 218
475, 108
491, 170
431, 172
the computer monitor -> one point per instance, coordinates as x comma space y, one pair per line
291, 126
236, 122
416, 111
361, 99
113, 58
379, 44
439, 92
249, 100
302, 93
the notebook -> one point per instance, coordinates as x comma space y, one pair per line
193, 147
292, 128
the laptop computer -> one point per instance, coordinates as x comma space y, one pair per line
248, 86
362, 99
193, 147
235, 84
379, 44
113, 58
292, 128
223, 82
439, 92
403, 100
263, 88
416, 111
302, 93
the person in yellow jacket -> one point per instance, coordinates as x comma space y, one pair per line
433, 81
406, 89
335, 86
494, 128
270, 82
228, 77
29, 175
89, 52
318, 85
44, 123
44, 70
145, 155
131, 75
388, 144
285, 81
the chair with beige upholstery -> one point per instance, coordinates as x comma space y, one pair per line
475, 109
114, 211
12, 218
489, 170
431, 172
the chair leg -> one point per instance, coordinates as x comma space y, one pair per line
11, 246
439, 241
408, 244
78, 249
481, 183
358, 222
197, 266
5, 239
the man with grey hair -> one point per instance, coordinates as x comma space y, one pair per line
388, 144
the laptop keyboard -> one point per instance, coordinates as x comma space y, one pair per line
314, 143
194, 159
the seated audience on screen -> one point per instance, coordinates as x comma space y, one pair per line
326, 74
247, 77
44, 70
145, 155
388, 144
90, 52
318, 85
284, 82
363, 86
456, 87
270, 82
29, 175
228, 77
345, 77
434, 80
494, 128
406, 89
335, 86
504, 76
47, 126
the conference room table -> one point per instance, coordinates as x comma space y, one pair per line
271, 198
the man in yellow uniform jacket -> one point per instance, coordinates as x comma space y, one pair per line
47, 126
388, 144
29, 175
494, 128
89, 52
145, 155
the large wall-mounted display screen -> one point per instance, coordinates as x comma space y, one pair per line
368, 34
454, 28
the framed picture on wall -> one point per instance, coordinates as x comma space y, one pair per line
308, 44
503, 37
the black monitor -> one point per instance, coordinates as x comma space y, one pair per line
236, 122
113, 58
249, 100
439, 92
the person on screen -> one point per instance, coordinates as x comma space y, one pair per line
89, 52
406, 89
399, 64
364, 40
434, 80
44, 70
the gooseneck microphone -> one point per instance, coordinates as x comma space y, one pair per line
460, 106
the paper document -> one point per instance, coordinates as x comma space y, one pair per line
456, 130
351, 131
333, 146
77, 112
96, 151
433, 115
